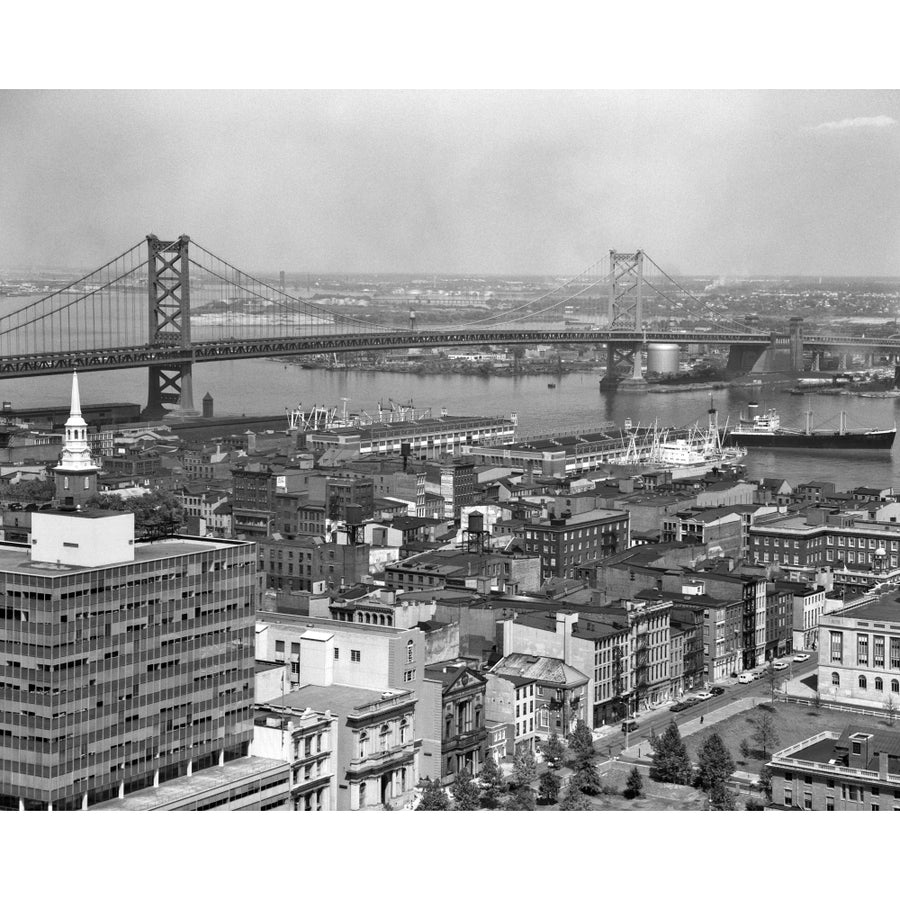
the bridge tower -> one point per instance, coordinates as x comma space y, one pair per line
625, 312
170, 388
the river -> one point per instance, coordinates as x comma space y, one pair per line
259, 387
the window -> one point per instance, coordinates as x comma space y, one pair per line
363, 742
409, 675
837, 646
829, 804
878, 651
862, 682
318, 743
862, 650
788, 797
404, 730
337, 653
410, 651
895, 686
895, 653
307, 747
879, 684
384, 736
355, 656
835, 679
279, 651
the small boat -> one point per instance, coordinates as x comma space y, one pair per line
551, 387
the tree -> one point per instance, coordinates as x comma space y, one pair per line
745, 748
671, 762
720, 798
765, 732
554, 751
573, 799
581, 739
521, 799
491, 783
37, 490
548, 790
465, 791
765, 782
715, 763
156, 515
524, 768
635, 784
753, 805
586, 778
890, 706
434, 797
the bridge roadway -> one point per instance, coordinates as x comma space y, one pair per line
64, 361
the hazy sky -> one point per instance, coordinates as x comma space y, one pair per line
719, 183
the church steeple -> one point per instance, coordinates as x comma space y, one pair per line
76, 474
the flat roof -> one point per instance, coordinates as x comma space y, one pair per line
884, 609
339, 699
215, 778
17, 557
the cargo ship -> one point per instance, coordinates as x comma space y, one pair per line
766, 431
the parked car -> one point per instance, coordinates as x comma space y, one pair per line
717, 691
758, 673
746, 677
679, 707
779, 666
703, 695
801, 657
629, 725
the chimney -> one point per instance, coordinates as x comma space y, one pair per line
565, 621
883, 760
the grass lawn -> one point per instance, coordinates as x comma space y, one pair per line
654, 797
794, 723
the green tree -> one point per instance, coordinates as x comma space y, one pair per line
524, 768
635, 784
745, 748
434, 797
521, 799
753, 805
890, 707
554, 751
548, 790
581, 740
29, 491
491, 783
765, 732
715, 763
585, 777
671, 762
465, 791
720, 798
765, 782
156, 515
573, 799
773, 677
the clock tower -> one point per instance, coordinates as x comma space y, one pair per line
76, 474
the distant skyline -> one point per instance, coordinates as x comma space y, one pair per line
719, 183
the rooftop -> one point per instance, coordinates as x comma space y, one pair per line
883, 609
340, 699
181, 790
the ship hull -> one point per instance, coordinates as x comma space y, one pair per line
817, 440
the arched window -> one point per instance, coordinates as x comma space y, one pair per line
384, 736
362, 794
363, 742
835, 679
895, 686
410, 651
862, 682
879, 684
404, 730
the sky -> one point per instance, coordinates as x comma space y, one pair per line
720, 183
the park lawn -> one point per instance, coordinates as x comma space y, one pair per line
794, 723
654, 796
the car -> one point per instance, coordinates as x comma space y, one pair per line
703, 695
679, 707
801, 657
629, 725
745, 678
717, 691
758, 674
779, 666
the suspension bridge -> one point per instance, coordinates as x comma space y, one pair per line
167, 305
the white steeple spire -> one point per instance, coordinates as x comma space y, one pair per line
75, 409
76, 455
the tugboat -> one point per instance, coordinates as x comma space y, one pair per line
766, 431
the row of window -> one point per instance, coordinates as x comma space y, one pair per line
863, 683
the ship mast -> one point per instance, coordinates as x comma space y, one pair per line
808, 416
843, 421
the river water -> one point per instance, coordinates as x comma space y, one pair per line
260, 387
